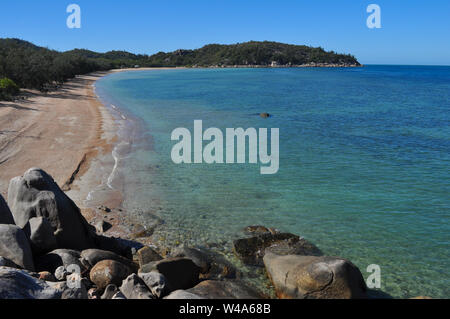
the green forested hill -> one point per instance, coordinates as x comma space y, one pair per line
31, 66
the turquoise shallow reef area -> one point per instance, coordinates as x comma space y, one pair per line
364, 162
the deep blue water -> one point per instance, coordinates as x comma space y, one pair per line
364, 162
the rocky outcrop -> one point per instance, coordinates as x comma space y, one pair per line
14, 246
312, 277
181, 273
227, 289
19, 284
5, 214
251, 250
36, 194
109, 272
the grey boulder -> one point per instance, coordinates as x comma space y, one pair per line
91, 257
134, 287
59, 257
14, 246
5, 214
156, 282
19, 284
36, 194
41, 234
312, 277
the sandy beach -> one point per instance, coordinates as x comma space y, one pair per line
59, 132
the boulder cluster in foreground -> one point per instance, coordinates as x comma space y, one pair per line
49, 251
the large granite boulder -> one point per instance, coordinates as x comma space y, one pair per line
14, 246
312, 277
35, 194
226, 289
251, 250
19, 284
5, 214
181, 273
41, 234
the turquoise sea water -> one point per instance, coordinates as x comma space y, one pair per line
364, 162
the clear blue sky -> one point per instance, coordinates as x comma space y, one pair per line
413, 31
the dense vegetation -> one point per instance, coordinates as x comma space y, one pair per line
26, 65
251, 53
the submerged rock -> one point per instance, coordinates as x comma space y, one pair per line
19, 284
312, 277
36, 194
14, 246
251, 250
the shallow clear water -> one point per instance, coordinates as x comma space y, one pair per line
364, 162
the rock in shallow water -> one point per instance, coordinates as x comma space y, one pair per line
19, 284
251, 250
312, 277
14, 245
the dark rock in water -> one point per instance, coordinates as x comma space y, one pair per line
227, 289
147, 255
312, 277
134, 288
19, 284
109, 292
14, 246
182, 295
41, 234
91, 257
108, 272
265, 115
5, 214
5, 262
212, 265
181, 273
58, 257
251, 250
156, 282
36, 194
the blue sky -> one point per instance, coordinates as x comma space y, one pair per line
413, 31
